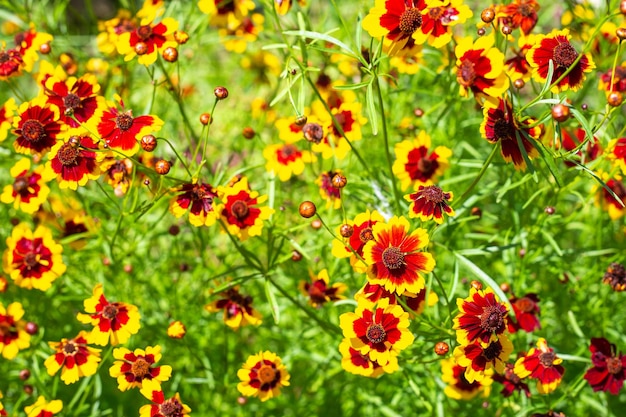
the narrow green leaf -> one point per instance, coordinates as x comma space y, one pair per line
583, 122
271, 298
321, 37
547, 157
551, 241
285, 90
599, 180
351, 86
546, 86
371, 108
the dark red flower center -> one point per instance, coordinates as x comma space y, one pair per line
503, 130
30, 260
525, 10
466, 74
4, 57
492, 318
288, 150
69, 348
425, 165
267, 374
110, 311
393, 258
171, 408
435, 12
525, 305
410, 21
614, 365
547, 358
434, 194
492, 351
564, 54
239, 209
140, 368
124, 121
68, 154
375, 333
71, 103
313, 132
33, 130
5, 329
366, 235
144, 32
20, 185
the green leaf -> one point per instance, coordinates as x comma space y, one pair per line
271, 298
322, 37
546, 86
371, 108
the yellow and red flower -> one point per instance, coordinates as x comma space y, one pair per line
43, 408
361, 234
77, 99
319, 291
263, 375
286, 160
381, 332
511, 382
370, 294
542, 364
615, 276
74, 162
614, 206
74, 358
122, 132
438, 18
33, 259
36, 126
499, 125
241, 214
6, 117
613, 80
480, 68
161, 407
283, 6
112, 321
395, 257
11, 62
519, 14
226, 13
526, 310
117, 173
458, 387
28, 43
132, 369
430, 203
415, 166
397, 21
481, 317
478, 358
236, 40
609, 367
348, 118
147, 40
176, 330
29, 190
589, 153
199, 200
237, 309
13, 335
617, 152
557, 48
356, 363
328, 192
517, 67
111, 29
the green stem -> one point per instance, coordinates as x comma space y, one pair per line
483, 169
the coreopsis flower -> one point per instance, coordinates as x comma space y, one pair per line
112, 322
458, 387
319, 291
288, 130
237, 308
480, 68
265, 66
511, 382
409, 63
357, 363
614, 206
132, 369
348, 118
395, 257
481, 317
609, 367
499, 125
438, 19
263, 375
6, 117
430, 203
352, 247
11, 62
161, 407
416, 164
286, 160
542, 364
519, 14
397, 21
613, 80
615, 276
237, 39
74, 358
122, 132
199, 200
147, 40
241, 212
283, 6
151, 9
117, 173
589, 153
77, 99
176, 330
75, 161
3, 284
370, 294
526, 311
478, 358
617, 152
557, 48
28, 43
13, 335
33, 259
517, 66
381, 332
226, 13
29, 189
43, 408
328, 192
111, 29
36, 126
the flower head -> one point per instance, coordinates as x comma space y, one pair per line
328, 192
263, 375
395, 258
477, 357
557, 48
43, 408
75, 161
33, 259
28, 44
237, 309
176, 330
458, 387
13, 336
361, 233
114, 321
319, 291
511, 382
11, 62
617, 152
161, 406
226, 14
480, 68
286, 160
517, 66
430, 203
615, 206
609, 367
77, 99
526, 311
6, 117
615, 276
117, 173
74, 358
199, 200
29, 190
36, 127
438, 19
132, 369
241, 211
416, 164
520, 14
147, 40
481, 317
542, 364
357, 363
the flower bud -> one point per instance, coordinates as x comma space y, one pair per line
162, 167
442, 348
170, 54
221, 93
307, 209
148, 143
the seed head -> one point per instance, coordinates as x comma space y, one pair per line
307, 209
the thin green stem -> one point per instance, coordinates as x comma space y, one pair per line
483, 169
